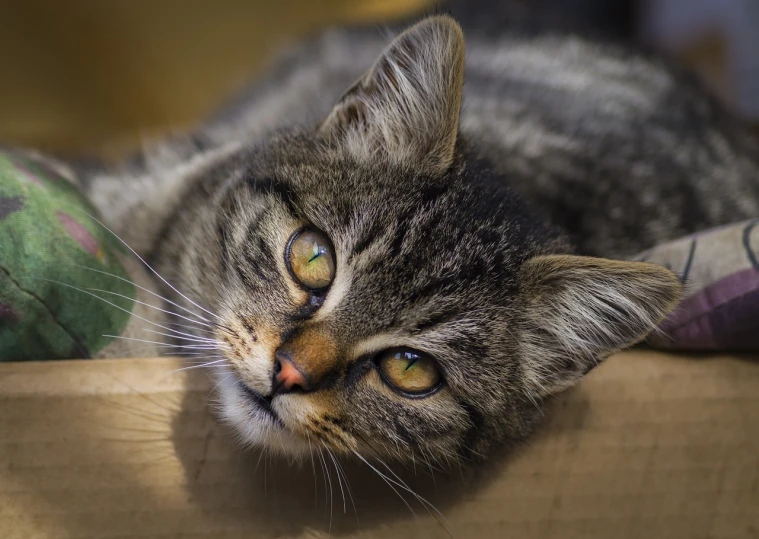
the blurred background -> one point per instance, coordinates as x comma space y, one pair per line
101, 76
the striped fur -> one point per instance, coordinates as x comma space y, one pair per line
454, 234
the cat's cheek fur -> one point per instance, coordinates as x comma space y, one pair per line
250, 351
405, 428
319, 418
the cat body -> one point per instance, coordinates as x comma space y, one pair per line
619, 148
451, 196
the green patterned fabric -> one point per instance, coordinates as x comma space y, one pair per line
45, 236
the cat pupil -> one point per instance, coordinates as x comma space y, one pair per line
318, 251
412, 359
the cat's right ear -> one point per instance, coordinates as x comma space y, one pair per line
407, 106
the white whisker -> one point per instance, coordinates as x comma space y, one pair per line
187, 326
146, 290
329, 480
167, 283
339, 480
103, 300
402, 484
313, 467
348, 487
184, 337
389, 483
159, 343
208, 364
148, 305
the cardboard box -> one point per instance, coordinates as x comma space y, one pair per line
648, 446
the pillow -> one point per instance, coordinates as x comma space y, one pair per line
45, 236
720, 305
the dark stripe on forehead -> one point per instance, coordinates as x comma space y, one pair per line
436, 318
373, 232
425, 198
228, 221
279, 189
424, 213
433, 288
397, 243
399, 235
254, 227
255, 256
226, 218
252, 273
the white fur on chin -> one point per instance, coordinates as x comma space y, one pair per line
253, 426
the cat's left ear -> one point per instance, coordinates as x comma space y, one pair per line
407, 106
579, 310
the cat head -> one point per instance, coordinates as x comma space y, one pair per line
382, 292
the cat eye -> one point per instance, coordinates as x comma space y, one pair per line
310, 259
409, 372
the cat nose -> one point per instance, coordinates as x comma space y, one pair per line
287, 376
307, 360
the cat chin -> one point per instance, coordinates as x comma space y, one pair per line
253, 426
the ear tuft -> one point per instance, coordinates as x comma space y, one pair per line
580, 310
407, 106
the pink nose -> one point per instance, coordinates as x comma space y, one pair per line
287, 377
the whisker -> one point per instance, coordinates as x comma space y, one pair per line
103, 300
190, 356
401, 484
159, 343
146, 264
145, 289
348, 487
202, 358
376, 452
184, 336
422, 500
324, 480
266, 462
227, 377
193, 328
208, 364
211, 364
260, 456
386, 480
148, 305
313, 467
329, 480
339, 480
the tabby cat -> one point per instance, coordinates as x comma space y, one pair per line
391, 249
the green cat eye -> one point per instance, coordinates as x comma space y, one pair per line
409, 372
310, 259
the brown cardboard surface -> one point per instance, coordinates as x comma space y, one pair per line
648, 446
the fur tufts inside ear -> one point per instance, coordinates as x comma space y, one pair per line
407, 106
580, 310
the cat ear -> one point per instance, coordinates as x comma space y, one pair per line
407, 105
581, 309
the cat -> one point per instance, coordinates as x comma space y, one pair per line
402, 248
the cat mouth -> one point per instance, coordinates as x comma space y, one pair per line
260, 402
